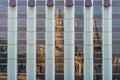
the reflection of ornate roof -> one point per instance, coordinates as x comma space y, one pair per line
57, 13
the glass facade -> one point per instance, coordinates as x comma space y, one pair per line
115, 39
22, 27
21, 38
3, 37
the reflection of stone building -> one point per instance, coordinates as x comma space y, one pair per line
97, 53
98, 57
97, 45
59, 42
59, 34
59, 49
116, 66
41, 59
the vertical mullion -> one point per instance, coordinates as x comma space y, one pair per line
69, 40
31, 43
12, 43
50, 41
107, 40
88, 41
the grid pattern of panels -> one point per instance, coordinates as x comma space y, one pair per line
116, 39
79, 40
59, 39
21, 38
97, 29
3, 37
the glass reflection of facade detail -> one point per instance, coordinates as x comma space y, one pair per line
40, 32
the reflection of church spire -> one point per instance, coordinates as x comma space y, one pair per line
57, 14
97, 39
58, 18
95, 30
59, 43
97, 49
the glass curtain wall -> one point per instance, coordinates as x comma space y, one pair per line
59, 39
97, 39
21, 38
116, 39
3, 38
79, 40
40, 39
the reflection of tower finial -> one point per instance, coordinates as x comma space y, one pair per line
96, 36
58, 33
57, 13
58, 17
97, 39
76, 23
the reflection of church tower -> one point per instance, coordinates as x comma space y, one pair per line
41, 59
97, 39
97, 51
59, 49
78, 58
59, 35
116, 66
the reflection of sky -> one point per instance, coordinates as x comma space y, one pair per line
78, 15
3, 8
3, 35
